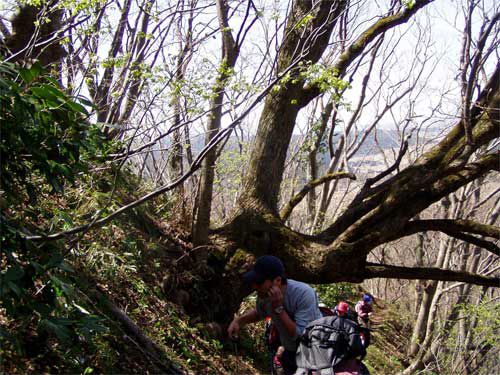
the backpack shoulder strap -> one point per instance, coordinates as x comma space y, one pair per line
305, 371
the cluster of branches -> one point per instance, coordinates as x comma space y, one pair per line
125, 89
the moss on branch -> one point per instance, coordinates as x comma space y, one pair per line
381, 26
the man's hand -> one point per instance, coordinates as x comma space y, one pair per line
275, 296
233, 331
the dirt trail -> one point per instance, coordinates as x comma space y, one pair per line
390, 336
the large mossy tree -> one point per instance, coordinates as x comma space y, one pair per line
385, 209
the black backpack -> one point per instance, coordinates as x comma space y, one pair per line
326, 342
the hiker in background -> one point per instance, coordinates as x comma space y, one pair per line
364, 310
343, 309
290, 304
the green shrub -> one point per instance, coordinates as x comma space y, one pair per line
45, 133
332, 294
46, 144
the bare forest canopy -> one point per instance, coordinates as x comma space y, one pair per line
356, 140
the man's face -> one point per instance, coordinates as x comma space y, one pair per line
263, 289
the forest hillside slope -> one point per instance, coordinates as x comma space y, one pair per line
136, 277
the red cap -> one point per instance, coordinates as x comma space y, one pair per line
342, 307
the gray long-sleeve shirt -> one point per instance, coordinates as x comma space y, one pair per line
301, 304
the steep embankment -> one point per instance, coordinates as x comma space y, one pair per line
390, 336
123, 282
129, 282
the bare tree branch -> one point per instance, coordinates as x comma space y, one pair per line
297, 198
427, 273
369, 182
448, 225
358, 47
104, 87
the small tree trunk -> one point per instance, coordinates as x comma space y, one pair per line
419, 261
418, 334
313, 162
229, 56
177, 155
421, 327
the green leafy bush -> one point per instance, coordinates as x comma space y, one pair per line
332, 294
44, 132
46, 143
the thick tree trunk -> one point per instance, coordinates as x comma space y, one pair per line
381, 213
267, 161
35, 34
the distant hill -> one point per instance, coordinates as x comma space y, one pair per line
368, 156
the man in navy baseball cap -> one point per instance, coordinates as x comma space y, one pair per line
291, 305
267, 267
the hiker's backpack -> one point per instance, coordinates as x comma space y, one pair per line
326, 311
325, 343
272, 336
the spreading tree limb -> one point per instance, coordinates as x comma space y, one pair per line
359, 45
457, 229
427, 273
